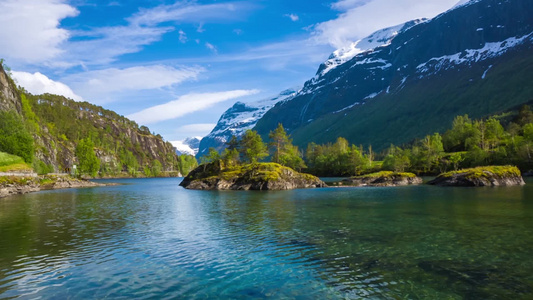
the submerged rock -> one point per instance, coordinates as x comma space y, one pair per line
259, 176
383, 178
481, 176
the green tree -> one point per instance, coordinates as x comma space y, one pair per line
157, 168
14, 136
211, 156
252, 147
283, 151
279, 142
88, 163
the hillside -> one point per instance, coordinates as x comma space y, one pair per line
58, 125
475, 59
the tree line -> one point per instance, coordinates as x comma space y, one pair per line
498, 140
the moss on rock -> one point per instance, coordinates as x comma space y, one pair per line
481, 176
258, 176
382, 178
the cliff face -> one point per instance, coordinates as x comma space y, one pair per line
58, 124
9, 99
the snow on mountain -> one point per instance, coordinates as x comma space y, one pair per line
239, 118
377, 39
489, 50
188, 146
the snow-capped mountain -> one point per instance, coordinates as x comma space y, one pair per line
406, 81
239, 118
188, 146
377, 39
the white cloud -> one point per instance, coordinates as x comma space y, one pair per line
211, 47
360, 18
38, 84
182, 36
101, 83
186, 11
185, 105
293, 17
30, 30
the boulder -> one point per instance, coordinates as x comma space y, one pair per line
258, 176
383, 178
481, 176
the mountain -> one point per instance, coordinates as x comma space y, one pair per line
239, 118
188, 146
58, 125
476, 59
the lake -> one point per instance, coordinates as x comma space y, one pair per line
150, 238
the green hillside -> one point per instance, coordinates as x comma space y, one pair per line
56, 134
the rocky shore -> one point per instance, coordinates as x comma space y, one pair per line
13, 185
258, 176
383, 178
481, 176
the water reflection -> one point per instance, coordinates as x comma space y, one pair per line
151, 238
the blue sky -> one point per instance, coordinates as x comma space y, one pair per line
175, 66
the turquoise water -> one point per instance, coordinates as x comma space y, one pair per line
150, 238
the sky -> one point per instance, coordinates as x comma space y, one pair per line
176, 66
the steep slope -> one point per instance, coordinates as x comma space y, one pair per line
239, 118
475, 59
58, 124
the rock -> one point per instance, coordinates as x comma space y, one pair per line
12, 185
259, 176
383, 178
481, 176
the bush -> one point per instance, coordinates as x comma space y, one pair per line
14, 136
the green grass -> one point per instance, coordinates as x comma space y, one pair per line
256, 172
486, 172
8, 159
12, 163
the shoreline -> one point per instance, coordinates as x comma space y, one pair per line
20, 185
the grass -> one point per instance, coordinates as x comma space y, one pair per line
485, 172
12, 163
254, 172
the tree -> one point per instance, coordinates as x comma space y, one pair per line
211, 156
279, 142
88, 163
283, 151
14, 136
252, 147
157, 168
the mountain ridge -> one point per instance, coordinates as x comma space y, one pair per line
365, 98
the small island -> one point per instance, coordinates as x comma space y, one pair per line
383, 178
256, 176
481, 176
